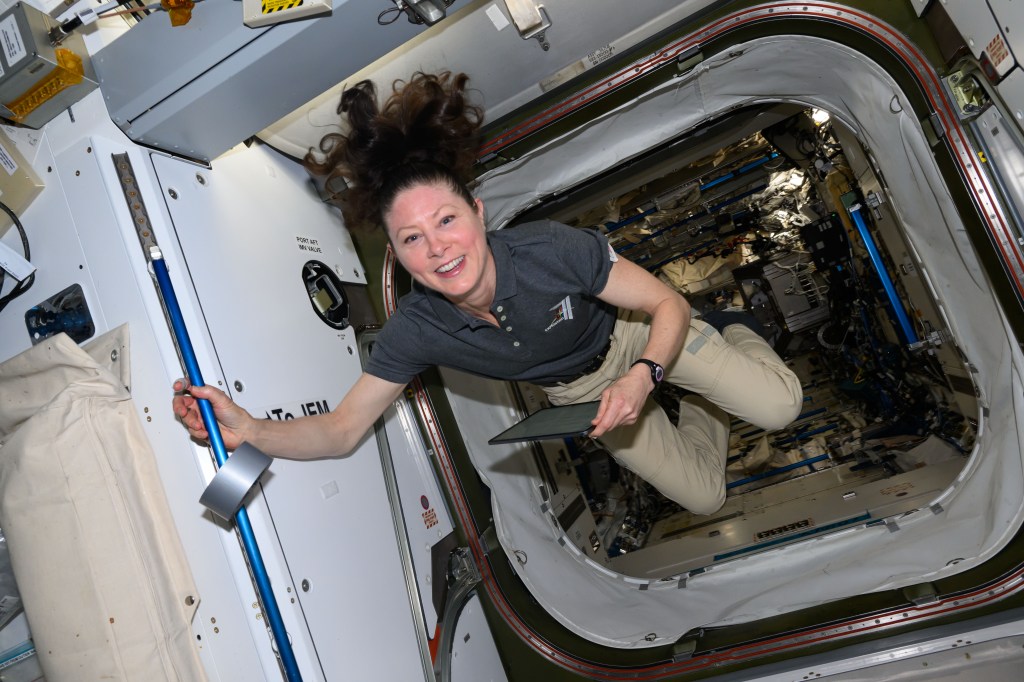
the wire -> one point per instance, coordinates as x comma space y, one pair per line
25, 284
133, 10
798, 287
383, 18
141, 9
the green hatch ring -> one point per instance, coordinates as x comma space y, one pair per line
891, 620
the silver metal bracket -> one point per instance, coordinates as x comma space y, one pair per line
968, 94
462, 569
874, 199
686, 646
921, 594
427, 12
531, 20
934, 339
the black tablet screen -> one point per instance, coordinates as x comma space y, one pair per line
551, 423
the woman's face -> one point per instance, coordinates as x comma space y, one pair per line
440, 240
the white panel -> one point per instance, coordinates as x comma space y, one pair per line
423, 506
240, 227
1010, 17
979, 28
474, 655
993, 654
1011, 89
76, 236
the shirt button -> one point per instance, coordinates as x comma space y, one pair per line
508, 329
503, 317
516, 344
499, 309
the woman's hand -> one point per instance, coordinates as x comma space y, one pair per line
622, 402
234, 422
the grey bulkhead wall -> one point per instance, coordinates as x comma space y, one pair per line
214, 82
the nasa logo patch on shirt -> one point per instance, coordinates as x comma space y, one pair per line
562, 310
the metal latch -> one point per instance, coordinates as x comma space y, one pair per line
921, 594
934, 339
968, 93
462, 569
686, 646
427, 12
531, 20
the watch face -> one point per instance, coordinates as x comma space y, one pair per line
659, 373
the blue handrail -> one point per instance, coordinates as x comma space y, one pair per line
890, 289
252, 550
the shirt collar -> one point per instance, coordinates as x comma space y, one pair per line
505, 287
506, 284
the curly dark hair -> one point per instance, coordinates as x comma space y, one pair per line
426, 132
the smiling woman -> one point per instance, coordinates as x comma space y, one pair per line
440, 240
544, 303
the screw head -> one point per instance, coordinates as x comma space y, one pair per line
172, 193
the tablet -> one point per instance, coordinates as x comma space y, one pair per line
552, 423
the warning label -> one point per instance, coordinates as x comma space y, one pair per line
269, 6
997, 50
599, 55
430, 518
7, 161
10, 37
308, 244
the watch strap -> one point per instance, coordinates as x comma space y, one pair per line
657, 371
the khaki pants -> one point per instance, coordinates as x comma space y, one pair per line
737, 373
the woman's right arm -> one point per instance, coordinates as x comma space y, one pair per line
324, 435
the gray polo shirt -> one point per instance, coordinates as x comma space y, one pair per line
551, 322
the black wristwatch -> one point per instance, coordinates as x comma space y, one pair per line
657, 371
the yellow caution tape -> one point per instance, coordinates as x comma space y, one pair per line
271, 6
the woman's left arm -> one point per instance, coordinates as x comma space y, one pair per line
630, 286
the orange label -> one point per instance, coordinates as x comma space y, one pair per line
180, 11
66, 73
